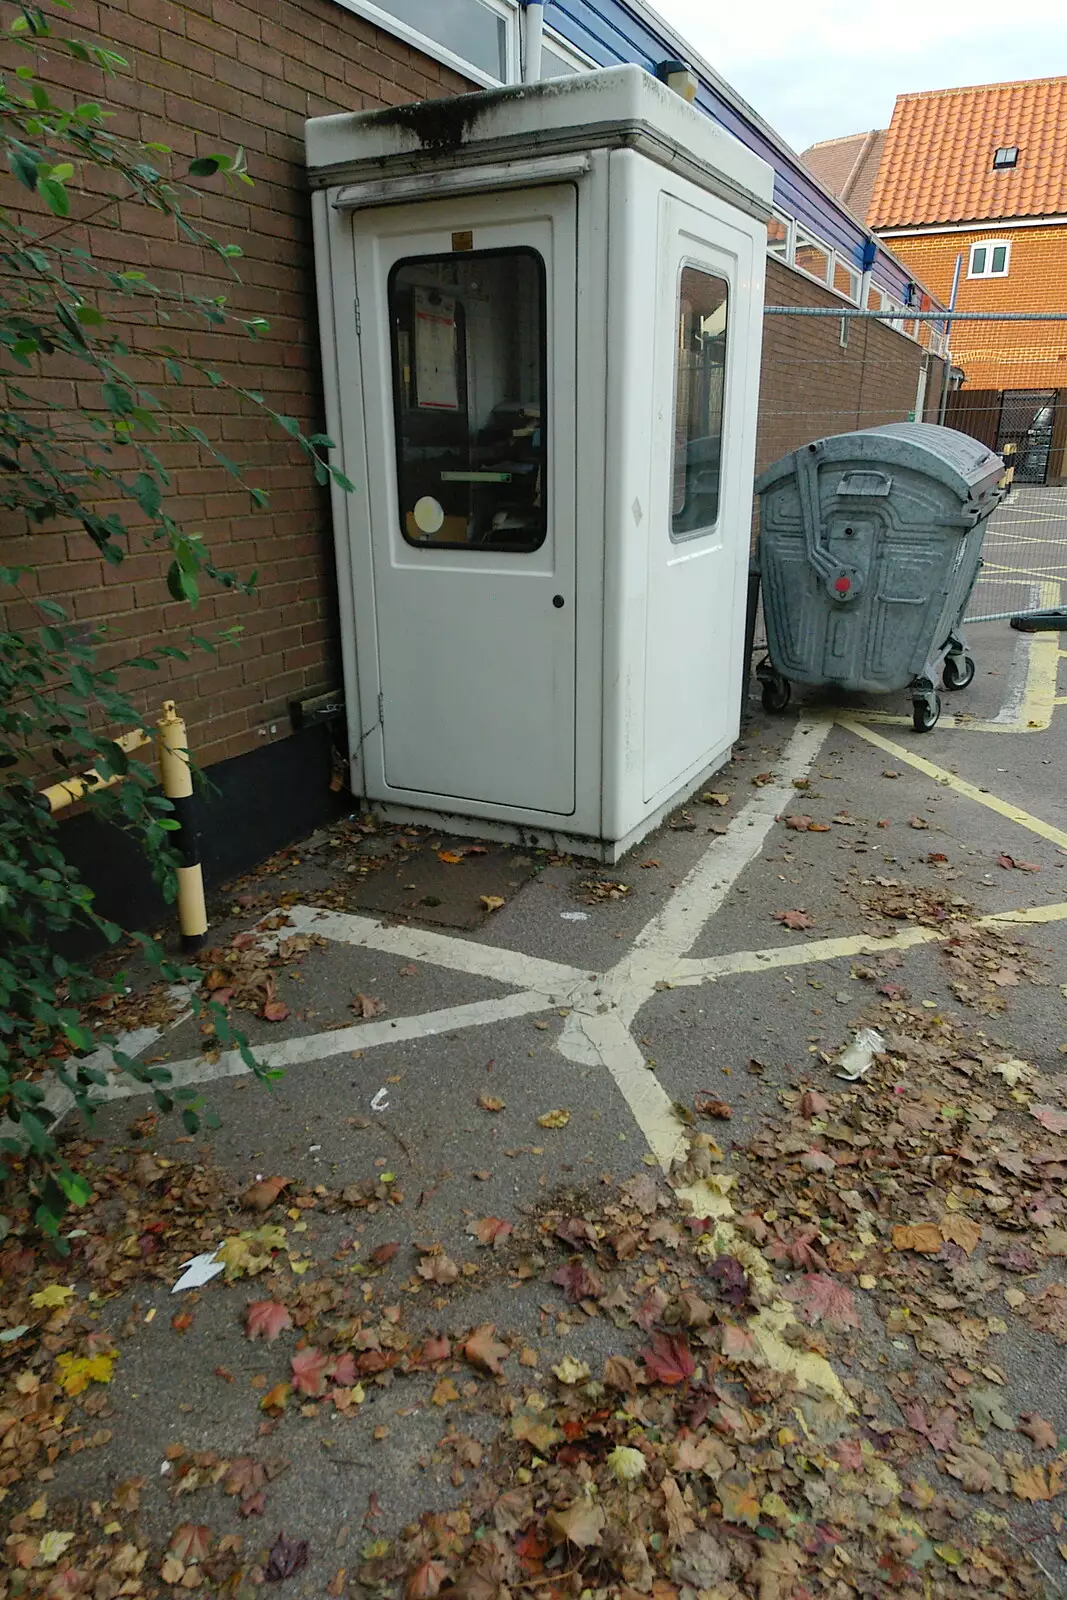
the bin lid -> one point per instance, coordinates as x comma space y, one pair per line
964, 465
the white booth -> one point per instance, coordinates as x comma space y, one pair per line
541, 312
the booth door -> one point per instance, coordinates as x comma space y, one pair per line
467, 341
706, 377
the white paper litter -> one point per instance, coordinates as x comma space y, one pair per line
858, 1058
200, 1270
381, 1100
574, 916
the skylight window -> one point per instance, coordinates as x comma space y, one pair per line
1006, 156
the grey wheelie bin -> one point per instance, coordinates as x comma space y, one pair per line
869, 547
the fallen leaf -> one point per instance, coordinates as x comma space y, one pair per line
56, 1294
1037, 1428
275, 1011
260, 1196
798, 824
668, 1359
577, 1282
309, 1371
425, 1580
977, 1470
711, 797
571, 1371
821, 1298
579, 1524
489, 1102
266, 1319
383, 1254
286, 1558
483, 1349
925, 1237
490, 1230
918, 822
444, 1392
554, 1119
1050, 1117
706, 1104
364, 1006
275, 1400
76, 1373
796, 920
1031, 1483
191, 1542
737, 1495
961, 1230
53, 1544
492, 902
679, 1522
436, 1267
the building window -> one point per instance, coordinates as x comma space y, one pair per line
811, 257
989, 259
469, 398
1006, 156
473, 31
699, 380
779, 242
560, 60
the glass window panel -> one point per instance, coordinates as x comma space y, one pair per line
978, 255
778, 237
469, 382
700, 373
846, 281
466, 27
999, 263
553, 65
812, 258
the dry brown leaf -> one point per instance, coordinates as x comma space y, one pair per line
925, 1237
961, 1230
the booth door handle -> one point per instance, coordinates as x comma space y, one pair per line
558, 601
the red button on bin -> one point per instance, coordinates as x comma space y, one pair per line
842, 585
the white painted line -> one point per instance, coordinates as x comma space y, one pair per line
605, 1040
312, 1047
420, 944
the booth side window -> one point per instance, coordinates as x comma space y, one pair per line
700, 368
469, 392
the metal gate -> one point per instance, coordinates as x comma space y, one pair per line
1026, 422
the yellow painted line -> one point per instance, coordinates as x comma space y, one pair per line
950, 780
1053, 913
796, 955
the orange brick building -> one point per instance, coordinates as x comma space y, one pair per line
979, 175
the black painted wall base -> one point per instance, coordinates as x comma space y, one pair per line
257, 803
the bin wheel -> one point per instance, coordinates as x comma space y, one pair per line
925, 713
776, 693
958, 671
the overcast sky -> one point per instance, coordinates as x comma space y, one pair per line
817, 69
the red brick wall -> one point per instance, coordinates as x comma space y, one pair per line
208, 75
211, 74
1001, 355
810, 386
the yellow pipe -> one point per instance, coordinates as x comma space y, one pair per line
177, 776
59, 795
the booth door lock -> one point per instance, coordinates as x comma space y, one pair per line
558, 601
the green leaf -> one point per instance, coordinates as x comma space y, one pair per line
54, 196
206, 166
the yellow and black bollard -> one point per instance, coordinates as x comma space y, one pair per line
177, 779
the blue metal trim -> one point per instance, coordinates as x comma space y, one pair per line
610, 34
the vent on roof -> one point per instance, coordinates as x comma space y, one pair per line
1006, 156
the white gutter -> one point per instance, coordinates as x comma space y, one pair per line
533, 32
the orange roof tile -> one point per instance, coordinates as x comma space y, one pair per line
848, 167
937, 164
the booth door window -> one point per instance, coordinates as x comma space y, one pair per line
699, 374
469, 393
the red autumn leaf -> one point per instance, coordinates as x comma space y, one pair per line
426, 1579
531, 1548
797, 920
275, 1011
731, 1280
668, 1359
577, 1282
798, 824
483, 1349
181, 1321
576, 1231
287, 1557
490, 1230
266, 1319
797, 1250
383, 1254
820, 1298
1050, 1117
1039, 1430
892, 991
813, 1104
344, 1372
254, 1505
191, 1542
262, 1194
1007, 862
309, 1371
436, 1348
